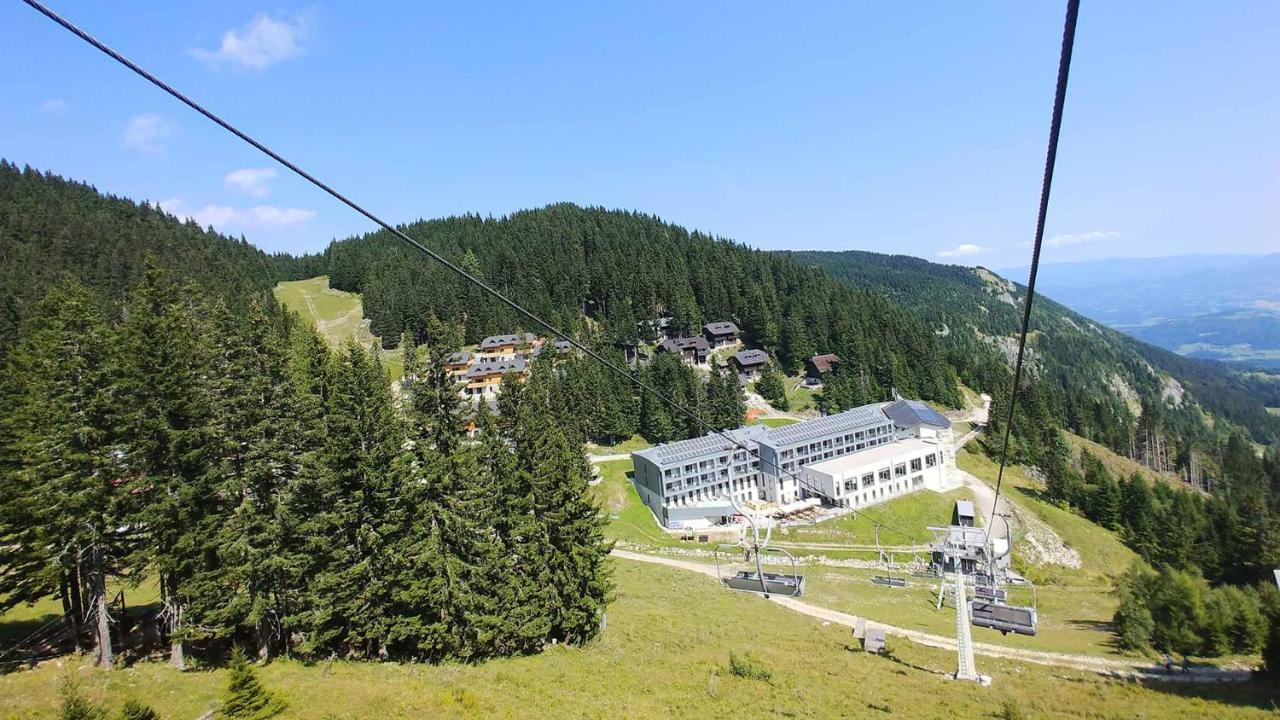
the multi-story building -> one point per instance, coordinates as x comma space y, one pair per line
903, 446
507, 347
721, 333
484, 379
692, 350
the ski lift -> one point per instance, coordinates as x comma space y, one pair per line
753, 548
886, 559
990, 607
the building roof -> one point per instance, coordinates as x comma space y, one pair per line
825, 363
910, 413
682, 450
462, 357
964, 508
496, 367
722, 327
746, 358
676, 345
563, 345
823, 427
499, 340
837, 466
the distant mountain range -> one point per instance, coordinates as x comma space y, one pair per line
1220, 307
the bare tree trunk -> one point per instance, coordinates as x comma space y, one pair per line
103, 625
71, 613
173, 610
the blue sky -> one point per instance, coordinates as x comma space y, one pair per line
897, 127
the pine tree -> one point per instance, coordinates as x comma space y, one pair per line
135, 710
352, 518
257, 424
168, 440
569, 527
772, 388
246, 698
62, 522
73, 704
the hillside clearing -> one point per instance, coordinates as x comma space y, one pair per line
338, 316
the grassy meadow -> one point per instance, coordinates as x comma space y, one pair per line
664, 652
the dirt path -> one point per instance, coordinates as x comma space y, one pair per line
1089, 663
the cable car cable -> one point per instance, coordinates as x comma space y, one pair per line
1051, 157
142, 72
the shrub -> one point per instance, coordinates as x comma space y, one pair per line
134, 710
747, 666
1011, 710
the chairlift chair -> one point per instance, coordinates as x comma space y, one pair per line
752, 547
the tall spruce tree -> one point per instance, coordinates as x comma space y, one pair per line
349, 497
568, 526
60, 511
168, 439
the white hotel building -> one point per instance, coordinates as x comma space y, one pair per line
856, 458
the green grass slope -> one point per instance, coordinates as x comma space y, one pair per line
664, 653
337, 315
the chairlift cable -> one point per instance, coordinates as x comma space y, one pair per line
1059, 99
456, 269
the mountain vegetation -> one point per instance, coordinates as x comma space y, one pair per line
1101, 384
52, 229
160, 426
615, 273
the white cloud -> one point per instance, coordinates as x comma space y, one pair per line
53, 107
271, 216
964, 250
226, 218
1077, 238
262, 42
255, 182
148, 134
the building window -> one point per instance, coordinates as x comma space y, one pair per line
868, 479
899, 470
884, 474
915, 465
917, 481
930, 460
850, 485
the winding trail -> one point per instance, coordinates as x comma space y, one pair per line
1102, 666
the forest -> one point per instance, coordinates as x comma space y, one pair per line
613, 273
277, 495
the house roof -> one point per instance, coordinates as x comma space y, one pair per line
499, 340
462, 357
723, 327
964, 508
563, 345
750, 358
825, 363
676, 345
910, 413
496, 367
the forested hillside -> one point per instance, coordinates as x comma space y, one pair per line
588, 269
1100, 383
52, 229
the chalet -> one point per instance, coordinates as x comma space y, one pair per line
483, 379
720, 334
693, 350
819, 365
562, 347
456, 364
507, 347
750, 363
